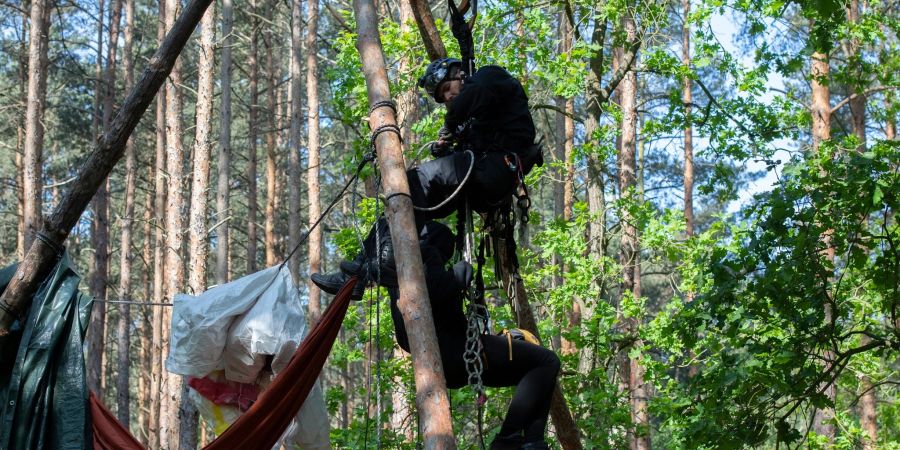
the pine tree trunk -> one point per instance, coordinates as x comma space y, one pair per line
197, 239
408, 101
595, 182
890, 123
170, 412
252, 204
858, 101
567, 181
294, 139
431, 394
312, 172
223, 167
19, 164
145, 324
99, 268
123, 328
821, 131
628, 253
34, 112
427, 28
271, 169
159, 261
686, 99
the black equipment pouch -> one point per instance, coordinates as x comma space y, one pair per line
532, 156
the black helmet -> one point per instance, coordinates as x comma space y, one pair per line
435, 74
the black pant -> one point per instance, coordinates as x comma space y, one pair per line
489, 185
532, 369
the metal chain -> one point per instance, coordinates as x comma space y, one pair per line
476, 316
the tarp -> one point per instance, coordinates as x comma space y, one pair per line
249, 328
42, 376
261, 426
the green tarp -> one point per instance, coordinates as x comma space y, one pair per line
42, 374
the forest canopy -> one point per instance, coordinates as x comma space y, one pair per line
712, 248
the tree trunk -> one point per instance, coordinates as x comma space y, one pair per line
431, 394
890, 123
99, 267
858, 81
159, 256
595, 182
407, 103
252, 206
34, 113
197, 239
427, 28
145, 324
171, 412
821, 131
628, 253
123, 328
223, 188
271, 169
294, 140
567, 182
19, 164
312, 172
686, 99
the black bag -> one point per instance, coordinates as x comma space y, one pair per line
532, 156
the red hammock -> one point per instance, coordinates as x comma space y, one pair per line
265, 421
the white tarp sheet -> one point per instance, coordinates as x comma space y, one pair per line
238, 325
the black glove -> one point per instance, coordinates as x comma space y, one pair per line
440, 150
462, 272
444, 145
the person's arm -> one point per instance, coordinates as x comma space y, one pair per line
472, 102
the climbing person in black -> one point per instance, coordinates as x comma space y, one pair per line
486, 145
531, 368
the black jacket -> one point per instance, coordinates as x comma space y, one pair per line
445, 291
491, 112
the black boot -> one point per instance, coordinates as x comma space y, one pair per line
333, 282
510, 442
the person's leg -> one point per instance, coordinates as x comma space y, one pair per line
492, 182
430, 183
533, 370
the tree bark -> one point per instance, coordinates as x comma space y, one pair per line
271, 169
567, 182
628, 253
294, 139
686, 98
431, 394
171, 413
427, 28
312, 172
145, 324
223, 164
198, 249
821, 131
19, 163
252, 206
34, 113
857, 86
407, 103
123, 328
159, 255
99, 266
